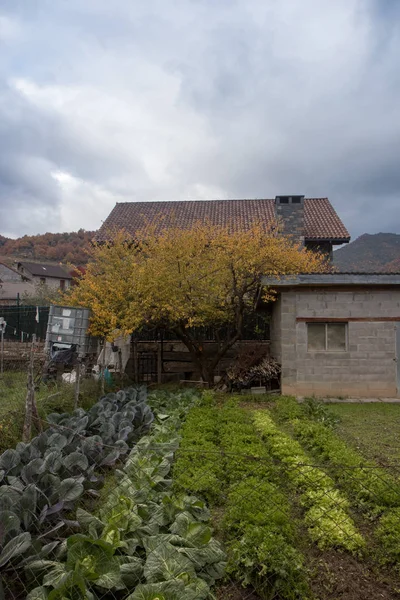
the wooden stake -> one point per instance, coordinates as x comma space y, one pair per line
77, 383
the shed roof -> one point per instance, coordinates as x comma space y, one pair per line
321, 219
332, 279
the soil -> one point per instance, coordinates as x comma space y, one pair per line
257, 405
234, 591
337, 576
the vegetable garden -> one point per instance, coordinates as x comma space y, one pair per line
193, 496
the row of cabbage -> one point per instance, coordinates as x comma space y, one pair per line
145, 542
41, 481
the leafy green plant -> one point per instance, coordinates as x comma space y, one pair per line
258, 525
326, 509
225, 460
143, 537
199, 446
288, 408
315, 410
368, 483
41, 481
369, 486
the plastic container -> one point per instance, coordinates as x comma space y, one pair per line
68, 326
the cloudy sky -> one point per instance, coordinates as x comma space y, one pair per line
104, 101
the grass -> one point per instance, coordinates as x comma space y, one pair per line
373, 429
49, 398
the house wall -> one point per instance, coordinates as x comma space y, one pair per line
9, 275
367, 368
275, 330
52, 282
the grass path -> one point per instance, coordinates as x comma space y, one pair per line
372, 428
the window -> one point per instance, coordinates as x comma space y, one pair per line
327, 337
62, 284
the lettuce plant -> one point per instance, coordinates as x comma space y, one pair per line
326, 509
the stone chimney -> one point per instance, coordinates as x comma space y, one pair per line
290, 213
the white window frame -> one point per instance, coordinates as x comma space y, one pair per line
326, 323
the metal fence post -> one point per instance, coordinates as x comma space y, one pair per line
2, 328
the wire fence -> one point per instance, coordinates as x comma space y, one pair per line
165, 496
24, 322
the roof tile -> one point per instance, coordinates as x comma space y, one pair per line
321, 219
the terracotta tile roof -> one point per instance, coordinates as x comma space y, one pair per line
321, 219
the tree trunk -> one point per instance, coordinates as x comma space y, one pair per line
206, 366
207, 374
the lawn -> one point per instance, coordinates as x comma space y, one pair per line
372, 428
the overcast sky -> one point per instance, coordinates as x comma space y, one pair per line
104, 101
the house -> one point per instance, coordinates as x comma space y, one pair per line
312, 221
54, 276
337, 334
13, 285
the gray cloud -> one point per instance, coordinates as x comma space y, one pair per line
196, 99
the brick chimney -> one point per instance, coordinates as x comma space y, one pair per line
290, 213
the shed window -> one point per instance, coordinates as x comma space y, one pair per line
327, 337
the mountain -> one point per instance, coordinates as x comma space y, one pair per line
50, 247
373, 253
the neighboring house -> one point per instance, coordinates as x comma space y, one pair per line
13, 285
54, 276
313, 221
337, 334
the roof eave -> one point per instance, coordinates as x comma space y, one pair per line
335, 241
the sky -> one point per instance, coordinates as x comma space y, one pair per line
136, 100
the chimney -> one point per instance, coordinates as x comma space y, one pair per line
290, 213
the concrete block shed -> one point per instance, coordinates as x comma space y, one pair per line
337, 334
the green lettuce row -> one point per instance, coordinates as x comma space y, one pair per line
222, 458
258, 525
199, 467
325, 508
144, 542
369, 486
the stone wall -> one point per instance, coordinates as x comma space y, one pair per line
9, 275
367, 367
292, 218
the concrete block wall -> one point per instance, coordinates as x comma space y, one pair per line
275, 330
368, 367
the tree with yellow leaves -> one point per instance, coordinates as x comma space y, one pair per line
184, 279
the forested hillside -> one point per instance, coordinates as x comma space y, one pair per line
370, 253
59, 247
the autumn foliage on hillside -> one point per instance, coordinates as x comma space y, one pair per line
370, 253
61, 247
